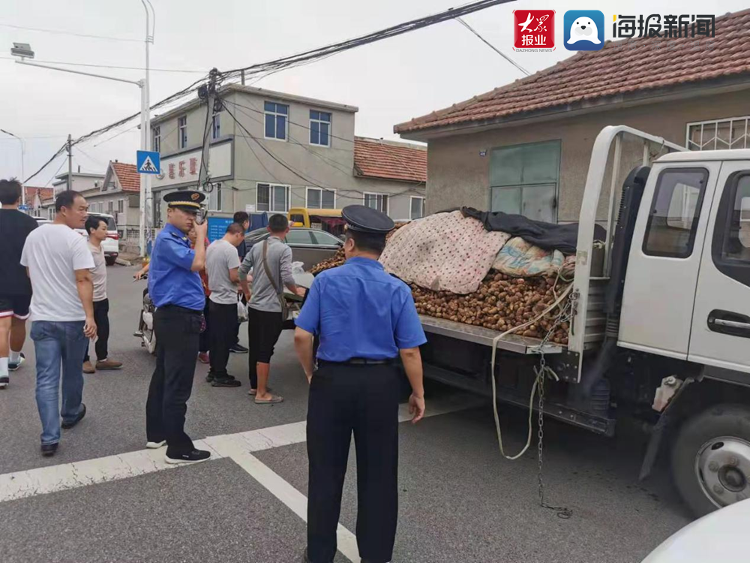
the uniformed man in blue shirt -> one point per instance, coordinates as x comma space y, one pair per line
365, 319
176, 290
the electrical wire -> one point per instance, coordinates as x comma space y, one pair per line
300, 59
491, 46
112, 66
61, 32
335, 48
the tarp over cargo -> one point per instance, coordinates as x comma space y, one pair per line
549, 236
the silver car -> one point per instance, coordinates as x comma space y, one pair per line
309, 246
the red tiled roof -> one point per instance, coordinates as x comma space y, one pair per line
621, 67
380, 159
44, 193
128, 176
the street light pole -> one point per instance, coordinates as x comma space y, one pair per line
145, 187
23, 174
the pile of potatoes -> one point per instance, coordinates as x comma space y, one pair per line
501, 303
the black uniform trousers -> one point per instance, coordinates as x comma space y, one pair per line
223, 321
177, 332
204, 343
359, 399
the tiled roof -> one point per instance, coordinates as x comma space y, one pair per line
393, 161
128, 176
621, 67
44, 193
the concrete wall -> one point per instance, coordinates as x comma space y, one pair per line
312, 166
458, 175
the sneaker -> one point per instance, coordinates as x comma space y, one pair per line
209, 377
49, 450
88, 367
203, 358
194, 456
238, 349
156, 445
4, 381
76, 420
227, 381
108, 364
14, 367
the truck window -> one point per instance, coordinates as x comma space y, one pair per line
731, 242
675, 212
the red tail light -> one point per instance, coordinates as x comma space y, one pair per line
114, 236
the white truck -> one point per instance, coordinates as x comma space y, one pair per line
659, 322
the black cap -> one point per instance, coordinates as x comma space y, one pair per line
367, 220
187, 200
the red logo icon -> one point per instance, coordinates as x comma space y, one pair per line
534, 29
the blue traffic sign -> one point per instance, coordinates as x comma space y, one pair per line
148, 162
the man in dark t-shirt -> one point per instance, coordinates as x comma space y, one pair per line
15, 287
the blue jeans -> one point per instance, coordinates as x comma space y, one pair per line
58, 344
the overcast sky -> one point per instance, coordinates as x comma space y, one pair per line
390, 81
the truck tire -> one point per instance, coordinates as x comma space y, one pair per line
110, 260
711, 458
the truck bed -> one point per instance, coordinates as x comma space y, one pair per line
485, 336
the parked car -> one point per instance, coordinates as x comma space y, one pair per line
41, 220
111, 244
719, 536
309, 246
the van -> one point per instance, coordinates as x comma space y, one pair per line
328, 220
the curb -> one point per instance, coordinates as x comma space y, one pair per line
123, 262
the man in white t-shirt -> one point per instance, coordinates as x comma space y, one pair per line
96, 229
222, 266
59, 264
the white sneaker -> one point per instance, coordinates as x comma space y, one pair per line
156, 445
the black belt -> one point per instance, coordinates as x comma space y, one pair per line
359, 362
178, 309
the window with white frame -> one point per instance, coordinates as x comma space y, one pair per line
320, 128
377, 201
719, 134
276, 120
318, 198
51, 212
110, 207
216, 126
156, 139
120, 205
416, 206
214, 198
182, 139
273, 197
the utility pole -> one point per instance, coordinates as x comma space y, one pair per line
70, 163
207, 92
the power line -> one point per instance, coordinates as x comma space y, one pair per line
491, 46
113, 66
335, 48
304, 58
61, 32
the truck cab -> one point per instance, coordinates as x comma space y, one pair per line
687, 289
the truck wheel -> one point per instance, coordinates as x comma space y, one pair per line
110, 260
711, 458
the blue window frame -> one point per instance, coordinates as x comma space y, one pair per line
276, 120
320, 128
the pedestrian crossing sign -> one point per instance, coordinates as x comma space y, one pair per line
148, 162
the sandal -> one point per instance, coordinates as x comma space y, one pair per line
274, 399
254, 392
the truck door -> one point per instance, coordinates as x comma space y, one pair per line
665, 256
721, 321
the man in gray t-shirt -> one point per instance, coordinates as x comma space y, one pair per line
222, 265
264, 308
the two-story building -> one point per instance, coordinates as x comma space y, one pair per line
118, 194
270, 151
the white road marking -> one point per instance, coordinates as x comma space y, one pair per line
237, 447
